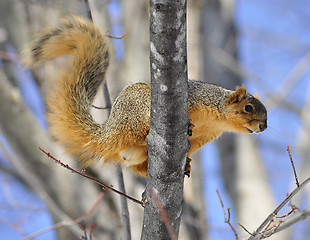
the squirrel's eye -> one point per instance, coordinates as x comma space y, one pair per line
248, 108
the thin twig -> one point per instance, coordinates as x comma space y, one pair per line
8, 57
222, 204
227, 220
244, 228
67, 223
228, 212
268, 225
163, 214
91, 178
101, 108
289, 213
121, 37
272, 229
295, 174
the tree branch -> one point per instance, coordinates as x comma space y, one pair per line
259, 233
83, 174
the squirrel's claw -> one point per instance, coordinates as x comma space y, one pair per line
190, 129
144, 197
187, 171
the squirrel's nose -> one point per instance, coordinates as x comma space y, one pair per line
263, 127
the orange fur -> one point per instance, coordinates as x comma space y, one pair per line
208, 124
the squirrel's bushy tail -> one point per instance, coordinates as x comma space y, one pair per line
70, 100
68, 37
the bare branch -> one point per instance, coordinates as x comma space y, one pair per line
245, 229
121, 37
289, 213
258, 234
83, 174
294, 218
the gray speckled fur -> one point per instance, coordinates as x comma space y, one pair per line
201, 93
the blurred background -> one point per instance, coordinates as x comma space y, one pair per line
262, 44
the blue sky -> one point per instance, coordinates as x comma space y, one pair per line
274, 36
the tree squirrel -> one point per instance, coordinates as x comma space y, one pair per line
121, 139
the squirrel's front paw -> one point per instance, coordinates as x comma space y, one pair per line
188, 167
190, 129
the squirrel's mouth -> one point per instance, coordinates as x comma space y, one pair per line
260, 128
249, 130
255, 131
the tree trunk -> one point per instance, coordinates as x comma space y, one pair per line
167, 140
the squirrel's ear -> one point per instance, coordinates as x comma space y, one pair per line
256, 96
237, 96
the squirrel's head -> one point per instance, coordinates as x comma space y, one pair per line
245, 112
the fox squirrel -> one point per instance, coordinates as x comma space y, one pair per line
121, 139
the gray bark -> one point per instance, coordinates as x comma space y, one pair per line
167, 140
